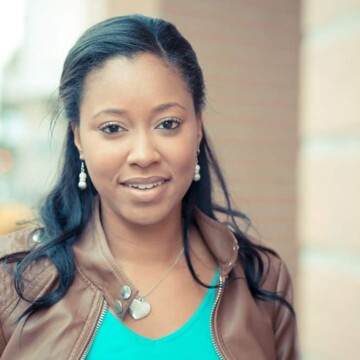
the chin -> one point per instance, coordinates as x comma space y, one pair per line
150, 216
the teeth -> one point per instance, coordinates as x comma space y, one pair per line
146, 186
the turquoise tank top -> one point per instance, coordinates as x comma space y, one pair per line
192, 341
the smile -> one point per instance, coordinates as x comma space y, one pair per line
146, 190
146, 186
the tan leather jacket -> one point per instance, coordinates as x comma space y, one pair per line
242, 328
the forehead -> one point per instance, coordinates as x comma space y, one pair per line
146, 78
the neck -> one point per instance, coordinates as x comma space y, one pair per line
149, 245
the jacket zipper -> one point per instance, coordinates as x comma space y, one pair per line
217, 350
97, 327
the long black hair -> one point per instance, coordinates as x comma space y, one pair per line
66, 210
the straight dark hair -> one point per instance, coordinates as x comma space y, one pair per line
66, 210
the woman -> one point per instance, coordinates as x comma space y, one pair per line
130, 258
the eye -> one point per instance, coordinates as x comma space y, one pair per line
169, 124
111, 128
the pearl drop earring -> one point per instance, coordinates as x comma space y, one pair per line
82, 177
197, 175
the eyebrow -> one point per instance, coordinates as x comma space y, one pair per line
157, 109
166, 106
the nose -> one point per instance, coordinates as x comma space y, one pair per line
143, 151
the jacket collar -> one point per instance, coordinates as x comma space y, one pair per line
96, 264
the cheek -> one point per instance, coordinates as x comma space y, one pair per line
184, 160
98, 166
187, 163
101, 161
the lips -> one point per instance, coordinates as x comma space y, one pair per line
145, 186
144, 183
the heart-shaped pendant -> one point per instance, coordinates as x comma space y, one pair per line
139, 308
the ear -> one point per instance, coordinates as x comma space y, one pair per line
199, 128
77, 140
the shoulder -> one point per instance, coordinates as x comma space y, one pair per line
37, 278
273, 315
18, 241
277, 279
13, 247
276, 275
273, 277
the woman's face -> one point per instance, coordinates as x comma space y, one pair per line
138, 135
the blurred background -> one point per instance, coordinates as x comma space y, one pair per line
283, 84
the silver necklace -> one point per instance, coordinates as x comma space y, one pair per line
140, 308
